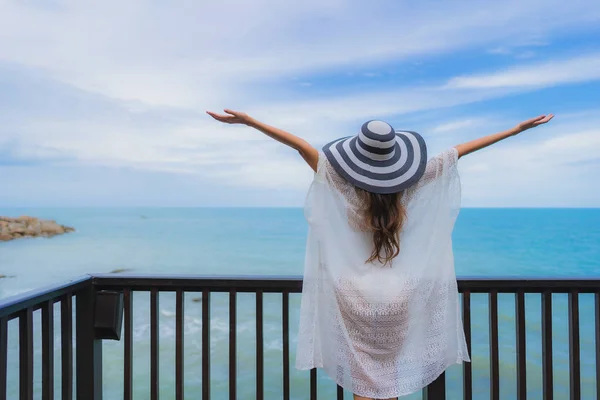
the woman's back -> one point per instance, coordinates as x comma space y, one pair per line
362, 321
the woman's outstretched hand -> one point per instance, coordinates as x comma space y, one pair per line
533, 122
231, 117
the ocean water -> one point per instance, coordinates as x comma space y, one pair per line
487, 242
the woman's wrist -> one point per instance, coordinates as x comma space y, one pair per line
251, 122
516, 130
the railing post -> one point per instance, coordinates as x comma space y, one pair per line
3, 356
436, 390
88, 349
26, 354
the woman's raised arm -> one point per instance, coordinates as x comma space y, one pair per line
309, 153
478, 144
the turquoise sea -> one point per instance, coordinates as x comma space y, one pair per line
487, 242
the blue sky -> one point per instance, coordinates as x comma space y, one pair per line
102, 103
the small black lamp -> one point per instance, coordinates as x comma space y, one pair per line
108, 314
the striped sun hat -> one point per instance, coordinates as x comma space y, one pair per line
379, 159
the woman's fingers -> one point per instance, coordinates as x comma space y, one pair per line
534, 120
219, 117
548, 118
230, 116
545, 119
216, 116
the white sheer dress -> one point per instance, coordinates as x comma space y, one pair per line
381, 331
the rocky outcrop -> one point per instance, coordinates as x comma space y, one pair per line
21, 227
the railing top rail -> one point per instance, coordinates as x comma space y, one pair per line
273, 284
224, 283
33, 298
529, 284
293, 284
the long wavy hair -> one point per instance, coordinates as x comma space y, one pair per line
384, 215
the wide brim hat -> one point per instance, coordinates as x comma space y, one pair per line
379, 159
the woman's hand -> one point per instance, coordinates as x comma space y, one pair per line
533, 122
231, 117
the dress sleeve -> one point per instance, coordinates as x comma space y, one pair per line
321, 163
437, 167
321, 167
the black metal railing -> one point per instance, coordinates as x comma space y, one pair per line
22, 308
88, 347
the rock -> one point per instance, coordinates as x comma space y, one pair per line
26, 219
51, 228
25, 226
16, 227
33, 230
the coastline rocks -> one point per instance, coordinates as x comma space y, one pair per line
25, 226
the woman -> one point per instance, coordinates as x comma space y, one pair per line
380, 311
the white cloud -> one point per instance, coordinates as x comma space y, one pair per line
139, 75
98, 131
500, 50
453, 125
239, 156
520, 48
192, 54
549, 73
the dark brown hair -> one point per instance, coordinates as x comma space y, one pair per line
384, 215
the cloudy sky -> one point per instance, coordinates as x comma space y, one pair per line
102, 102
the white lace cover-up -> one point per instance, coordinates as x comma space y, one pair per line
381, 331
